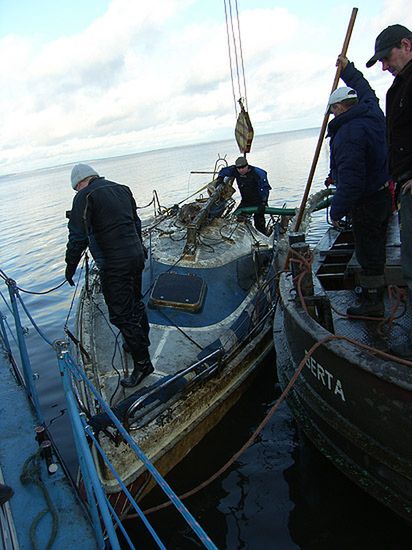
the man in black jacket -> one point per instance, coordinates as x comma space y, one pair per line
393, 48
104, 218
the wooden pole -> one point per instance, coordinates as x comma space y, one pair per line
325, 122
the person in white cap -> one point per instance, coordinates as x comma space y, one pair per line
104, 218
393, 48
358, 167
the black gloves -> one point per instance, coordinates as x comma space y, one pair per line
261, 209
329, 181
70, 271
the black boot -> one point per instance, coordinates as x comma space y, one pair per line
371, 299
141, 370
371, 304
6, 493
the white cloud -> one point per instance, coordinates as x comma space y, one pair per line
139, 79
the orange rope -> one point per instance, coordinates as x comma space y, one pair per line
307, 263
248, 442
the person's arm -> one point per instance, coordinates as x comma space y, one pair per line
138, 224
353, 78
137, 220
264, 186
78, 240
226, 172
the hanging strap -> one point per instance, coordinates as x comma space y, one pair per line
244, 130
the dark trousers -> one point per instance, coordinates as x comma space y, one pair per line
258, 219
370, 222
121, 284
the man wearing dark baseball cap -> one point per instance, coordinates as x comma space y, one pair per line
387, 40
393, 48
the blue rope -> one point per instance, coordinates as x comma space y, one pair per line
125, 489
190, 520
6, 302
5, 318
32, 320
9, 329
120, 525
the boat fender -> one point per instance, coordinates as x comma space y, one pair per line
102, 421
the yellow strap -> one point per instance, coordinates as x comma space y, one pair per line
244, 132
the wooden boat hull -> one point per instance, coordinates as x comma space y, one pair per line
355, 407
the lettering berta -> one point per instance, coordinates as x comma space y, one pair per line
323, 375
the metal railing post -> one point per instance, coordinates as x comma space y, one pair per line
4, 334
180, 507
91, 481
24, 356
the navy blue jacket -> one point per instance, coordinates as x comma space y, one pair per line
253, 186
358, 148
104, 217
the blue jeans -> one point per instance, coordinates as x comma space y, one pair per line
405, 216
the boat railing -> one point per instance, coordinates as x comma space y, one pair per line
213, 361
69, 370
195, 367
104, 519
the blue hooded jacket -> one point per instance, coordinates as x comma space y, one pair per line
358, 148
253, 186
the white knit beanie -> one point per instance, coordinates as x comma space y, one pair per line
80, 172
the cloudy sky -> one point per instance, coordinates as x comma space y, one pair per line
85, 79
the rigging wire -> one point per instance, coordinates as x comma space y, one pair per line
235, 53
241, 55
230, 58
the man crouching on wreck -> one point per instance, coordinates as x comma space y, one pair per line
104, 218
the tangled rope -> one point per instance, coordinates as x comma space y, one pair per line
305, 261
395, 294
31, 474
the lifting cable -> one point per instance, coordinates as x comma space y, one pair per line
244, 132
234, 44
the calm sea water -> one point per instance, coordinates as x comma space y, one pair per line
281, 493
